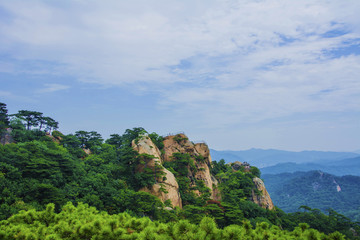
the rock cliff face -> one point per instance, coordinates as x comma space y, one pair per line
169, 183
263, 200
180, 143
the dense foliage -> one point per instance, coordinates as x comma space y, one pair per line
66, 170
83, 222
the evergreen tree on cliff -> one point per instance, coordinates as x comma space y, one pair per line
31, 118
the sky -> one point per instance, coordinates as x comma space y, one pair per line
268, 74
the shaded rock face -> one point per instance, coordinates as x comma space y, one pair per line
169, 183
236, 165
6, 137
263, 200
180, 143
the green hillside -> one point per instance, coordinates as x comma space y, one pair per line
83, 222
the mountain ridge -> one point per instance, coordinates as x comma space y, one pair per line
348, 166
269, 157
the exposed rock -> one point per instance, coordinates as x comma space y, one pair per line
144, 145
204, 151
177, 143
6, 137
87, 151
263, 200
56, 139
236, 165
180, 143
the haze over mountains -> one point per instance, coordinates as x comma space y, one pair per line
349, 166
270, 157
321, 180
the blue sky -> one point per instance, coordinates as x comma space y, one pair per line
237, 74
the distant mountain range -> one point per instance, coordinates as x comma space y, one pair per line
350, 166
264, 158
315, 189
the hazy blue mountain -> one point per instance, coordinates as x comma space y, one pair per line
349, 166
315, 189
228, 156
346, 162
264, 158
357, 151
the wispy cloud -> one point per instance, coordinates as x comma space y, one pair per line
53, 87
5, 94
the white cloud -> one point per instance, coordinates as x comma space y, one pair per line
248, 60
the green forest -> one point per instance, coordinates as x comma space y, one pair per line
81, 186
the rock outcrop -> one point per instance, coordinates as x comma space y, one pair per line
263, 199
200, 152
236, 166
167, 183
5, 137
